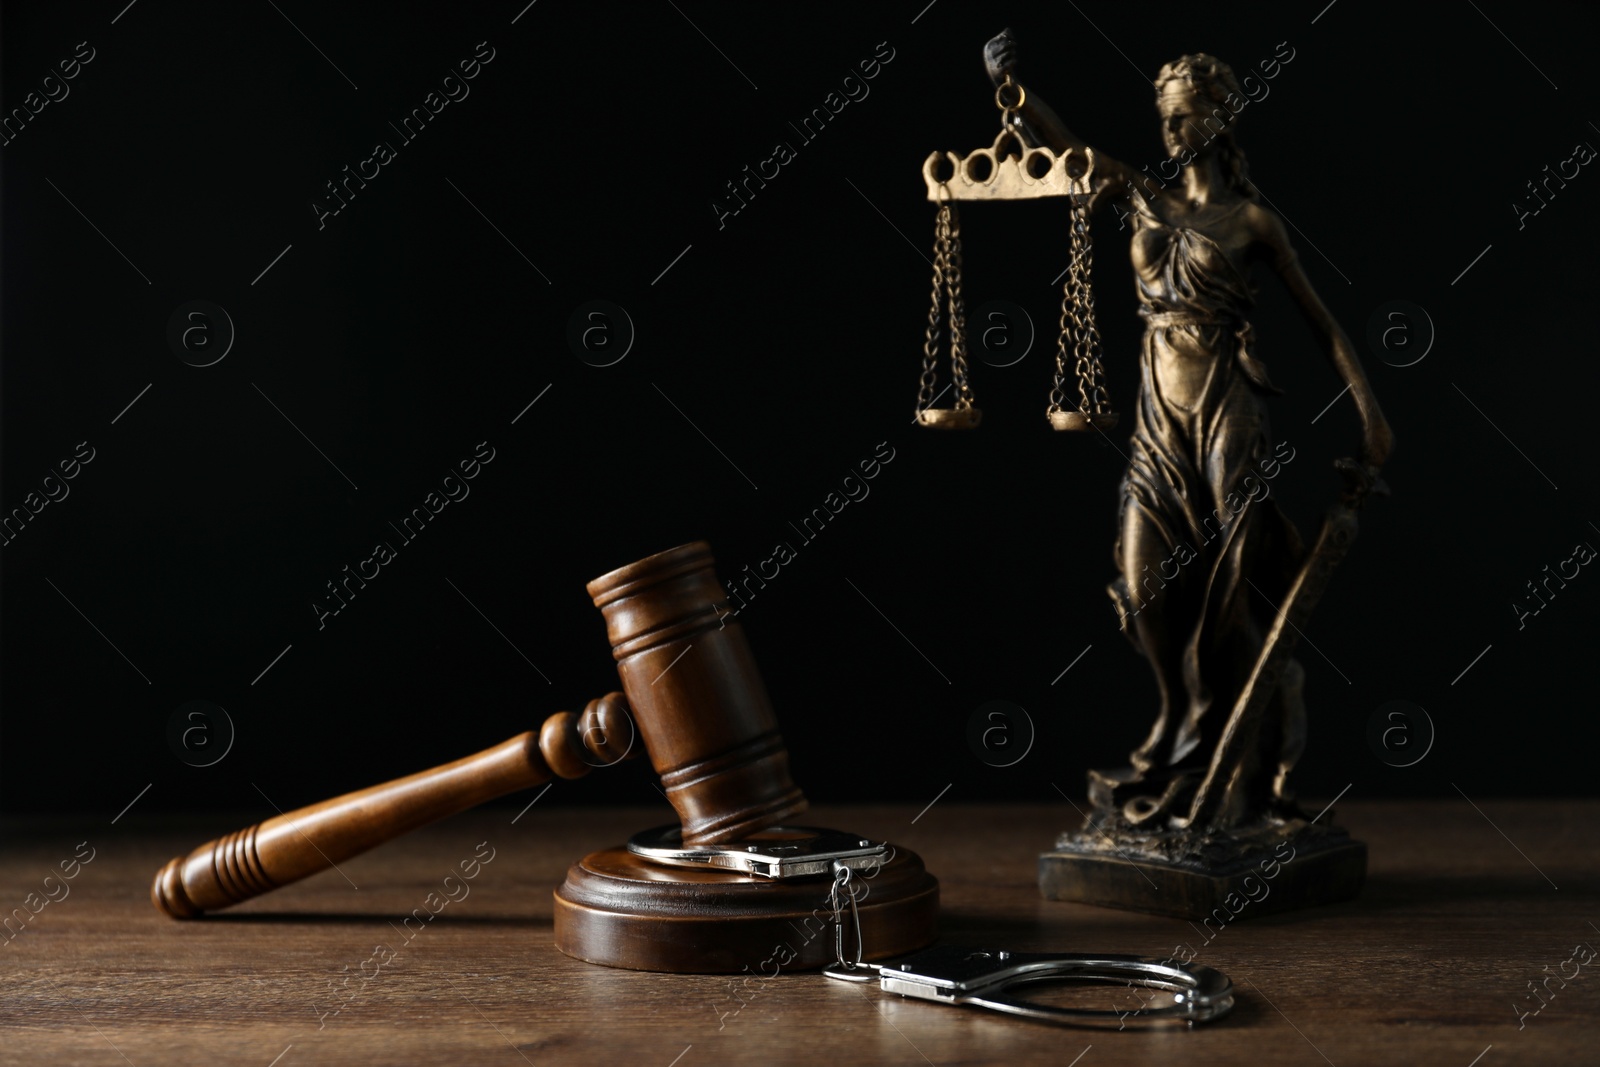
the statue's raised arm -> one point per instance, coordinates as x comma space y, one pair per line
1040, 125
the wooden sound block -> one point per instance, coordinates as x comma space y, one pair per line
620, 910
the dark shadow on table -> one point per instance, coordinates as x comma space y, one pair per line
966, 924
1383, 892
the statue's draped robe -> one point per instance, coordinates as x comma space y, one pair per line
1192, 454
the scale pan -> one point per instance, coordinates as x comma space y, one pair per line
949, 418
1077, 420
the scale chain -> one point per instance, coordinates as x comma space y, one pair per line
946, 315
930, 347
958, 317
1079, 331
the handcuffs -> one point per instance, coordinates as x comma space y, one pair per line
948, 974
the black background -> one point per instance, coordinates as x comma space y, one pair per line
408, 330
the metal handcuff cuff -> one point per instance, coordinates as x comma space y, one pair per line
948, 974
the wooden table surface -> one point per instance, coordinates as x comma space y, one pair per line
1463, 909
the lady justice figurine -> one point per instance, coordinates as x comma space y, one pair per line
1211, 571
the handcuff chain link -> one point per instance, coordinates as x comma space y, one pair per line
841, 889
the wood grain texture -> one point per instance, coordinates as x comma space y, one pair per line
1424, 968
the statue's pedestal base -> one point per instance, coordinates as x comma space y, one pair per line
1217, 880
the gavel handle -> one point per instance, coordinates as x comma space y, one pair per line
289, 847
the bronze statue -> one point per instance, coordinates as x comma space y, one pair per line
1210, 568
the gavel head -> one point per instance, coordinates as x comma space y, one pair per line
696, 695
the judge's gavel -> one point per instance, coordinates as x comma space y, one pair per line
702, 714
